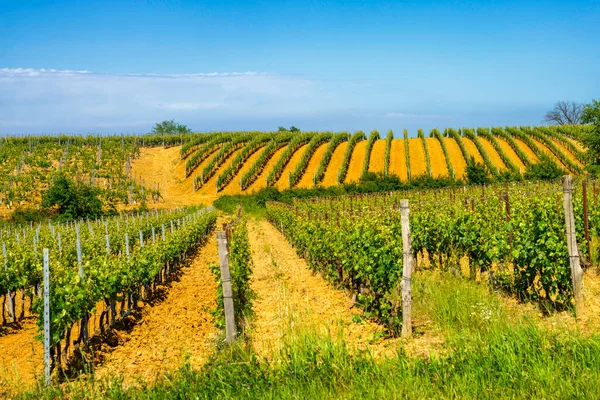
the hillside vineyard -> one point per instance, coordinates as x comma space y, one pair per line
244, 162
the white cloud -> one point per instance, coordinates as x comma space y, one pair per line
49, 99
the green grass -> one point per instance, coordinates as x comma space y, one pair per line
489, 352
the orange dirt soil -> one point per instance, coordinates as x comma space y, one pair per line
436, 157
292, 299
472, 150
261, 181
511, 154
377, 162
333, 169
566, 152
233, 187
418, 163
284, 180
179, 328
492, 153
528, 152
458, 161
307, 180
398, 159
156, 164
21, 355
356, 162
549, 153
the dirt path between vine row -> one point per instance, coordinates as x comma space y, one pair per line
178, 328
291, 298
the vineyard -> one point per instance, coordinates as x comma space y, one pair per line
244, 162
513, 235
454, 291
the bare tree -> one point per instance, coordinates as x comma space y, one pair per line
565, 113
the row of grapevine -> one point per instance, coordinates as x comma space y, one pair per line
31, 164
407, 154
240, 270
256, 169
87, 267
298, 141
227, 175
517, 133
354, 139
213, 165
372, 138
388, 152
470, 134
499, 132
514, 234
545, 140
204, 152
192, 144
436, 134
333, 144
421, 136
485, 133
579, 154
449, 132
315, 142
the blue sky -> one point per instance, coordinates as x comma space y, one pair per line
120, 66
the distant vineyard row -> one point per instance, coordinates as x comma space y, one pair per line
230, 162
248, 161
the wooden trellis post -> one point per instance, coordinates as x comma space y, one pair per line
226, 282
407, 265
574, 262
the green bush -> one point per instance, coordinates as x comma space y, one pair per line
544, 169
72, 200
476, 173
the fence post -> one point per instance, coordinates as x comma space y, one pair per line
83, 334
407, 265
586, 225
46, 316
227, 292
576, 271
8, 294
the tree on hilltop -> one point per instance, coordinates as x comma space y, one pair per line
170, 127
565, 113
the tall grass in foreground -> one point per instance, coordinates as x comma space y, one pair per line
489, 352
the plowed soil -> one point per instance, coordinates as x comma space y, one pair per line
418, 163
356, 162
398, 159
528, 152
492, 153
179, 328
156, 164
436, 157
333, 169
549, 153
472, 150
21, 355
307, 180
284, 179
377, 162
